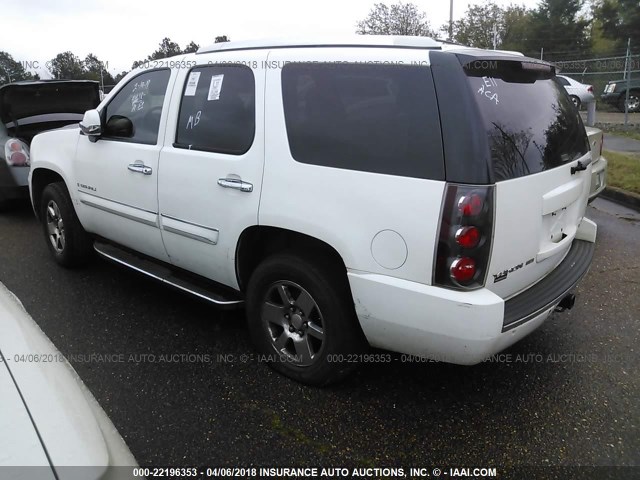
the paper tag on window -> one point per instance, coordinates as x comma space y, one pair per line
192, 84
215, 87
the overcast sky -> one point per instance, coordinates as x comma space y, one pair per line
121, 31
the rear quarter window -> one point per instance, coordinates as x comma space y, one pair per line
372, 118
529, 119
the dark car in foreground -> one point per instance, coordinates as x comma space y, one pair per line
615, 93
28, 108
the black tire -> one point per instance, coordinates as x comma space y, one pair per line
576, 101
73, 246
320, 339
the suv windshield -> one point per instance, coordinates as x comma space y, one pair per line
530, 121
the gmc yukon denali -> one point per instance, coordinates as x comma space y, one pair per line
393, 192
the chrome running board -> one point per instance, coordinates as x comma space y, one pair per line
204, 289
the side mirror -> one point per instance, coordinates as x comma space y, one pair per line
90, 125
119, 126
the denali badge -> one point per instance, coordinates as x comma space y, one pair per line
498, 277
86, 187
501, 276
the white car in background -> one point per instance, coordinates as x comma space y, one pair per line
53, 428
579, 92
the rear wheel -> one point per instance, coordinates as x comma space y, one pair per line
301, 318
68, 242
576, 101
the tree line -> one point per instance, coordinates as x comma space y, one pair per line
67, 65
557, 29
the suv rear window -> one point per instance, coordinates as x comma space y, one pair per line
372, 118
530, 121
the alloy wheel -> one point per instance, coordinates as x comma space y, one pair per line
294, 323
55, 227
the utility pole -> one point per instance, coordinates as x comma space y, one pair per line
628, 76
450, 19
541, 53
626, 60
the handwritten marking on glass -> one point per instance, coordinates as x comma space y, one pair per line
140, 89
194, 120
488, 88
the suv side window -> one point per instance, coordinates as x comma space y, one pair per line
217, 110
372, 118
140, 101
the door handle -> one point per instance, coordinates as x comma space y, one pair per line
140, 168
236, 184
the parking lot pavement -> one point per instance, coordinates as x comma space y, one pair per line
621, 144
179, 381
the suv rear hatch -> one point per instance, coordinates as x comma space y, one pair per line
30, 107
526, 137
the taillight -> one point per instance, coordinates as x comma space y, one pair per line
16, 153
470, 205
590, 89
463, 269
468, 237
464, 238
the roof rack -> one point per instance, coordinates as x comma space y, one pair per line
345, 41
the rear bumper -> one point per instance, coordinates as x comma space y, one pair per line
586, 97
548, 292
459, 327
13, 182
14, 193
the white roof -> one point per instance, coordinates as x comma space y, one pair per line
329, 41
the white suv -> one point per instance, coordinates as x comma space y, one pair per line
386, 191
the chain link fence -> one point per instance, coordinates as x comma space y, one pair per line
599, 71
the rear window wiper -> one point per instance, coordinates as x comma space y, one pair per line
579, 167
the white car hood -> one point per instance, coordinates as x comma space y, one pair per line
21, 447
73, 428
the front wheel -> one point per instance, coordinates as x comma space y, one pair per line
634, 102
68, 242
301, 318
